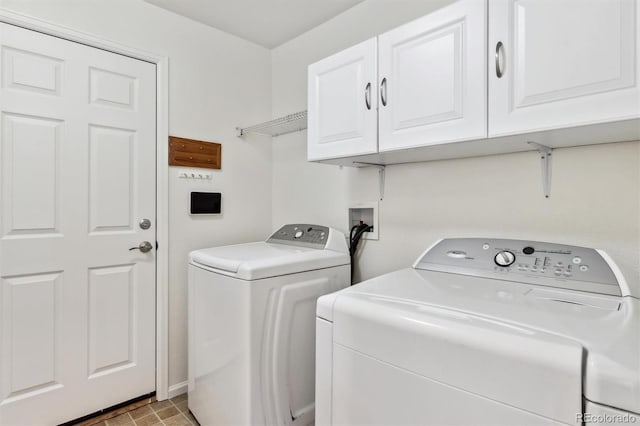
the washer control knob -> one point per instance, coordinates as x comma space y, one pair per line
504, 258
298, 234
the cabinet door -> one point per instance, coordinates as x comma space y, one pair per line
563, 63
433, 78
342, 104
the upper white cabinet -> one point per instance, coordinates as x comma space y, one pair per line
432, 78
481, 77
562, 63
343, 104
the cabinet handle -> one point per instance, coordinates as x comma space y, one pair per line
499, 52
367, 96
383, 91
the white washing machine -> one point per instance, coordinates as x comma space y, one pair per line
483, 332
252, 325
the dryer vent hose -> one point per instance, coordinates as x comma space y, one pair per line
354, 238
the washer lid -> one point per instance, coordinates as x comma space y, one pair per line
258, 260
542, 336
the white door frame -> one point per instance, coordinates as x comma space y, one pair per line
162, 170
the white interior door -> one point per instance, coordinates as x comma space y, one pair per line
343, 119
77, 174
562, 63
433, 78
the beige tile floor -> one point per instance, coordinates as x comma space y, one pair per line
171, 412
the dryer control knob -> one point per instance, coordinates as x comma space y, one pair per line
504, 258
298, 234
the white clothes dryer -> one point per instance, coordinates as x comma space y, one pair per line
483, 332
252, 325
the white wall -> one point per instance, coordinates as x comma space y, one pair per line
595, 190
217, 81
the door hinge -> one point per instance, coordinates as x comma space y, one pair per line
156, 246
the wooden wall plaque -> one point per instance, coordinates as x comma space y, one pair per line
192, 153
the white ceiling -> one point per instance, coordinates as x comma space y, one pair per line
266, 22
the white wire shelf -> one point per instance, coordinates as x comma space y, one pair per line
280, 126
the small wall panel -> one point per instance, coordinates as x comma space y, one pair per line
30, 169
112, 89
111, 175
31, 71
194, 153
30, 334
111, 319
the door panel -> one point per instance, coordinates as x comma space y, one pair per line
422, 401
342, 103
24, 70
440, 54
111, 179
30, 148
31, 334
112, 89
111, 334
565, 63
292, 350
546, 73
339, 87
432, 70
77, 173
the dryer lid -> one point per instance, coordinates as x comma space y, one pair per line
489, 319
252, 261
523, 368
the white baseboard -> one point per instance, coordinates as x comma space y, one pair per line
177, 389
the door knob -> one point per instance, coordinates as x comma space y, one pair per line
144, 247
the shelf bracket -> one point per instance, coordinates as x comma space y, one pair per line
381, 169
545, 163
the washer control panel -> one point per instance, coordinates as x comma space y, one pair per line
304, 235
531, 262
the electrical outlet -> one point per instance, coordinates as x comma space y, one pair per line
365, 213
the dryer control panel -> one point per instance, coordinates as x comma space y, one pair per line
304, 235
531, 262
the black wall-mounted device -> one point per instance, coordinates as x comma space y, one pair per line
206, 202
